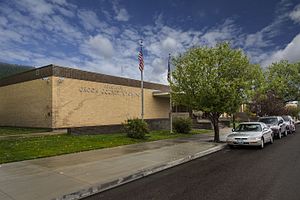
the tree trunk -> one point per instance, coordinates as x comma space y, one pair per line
233, 120
216, 129
214, 118
191, 113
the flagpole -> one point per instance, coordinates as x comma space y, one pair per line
169, 80
171, 117
142, 84
142, 94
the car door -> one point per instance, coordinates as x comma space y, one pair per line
267, 132
281, 124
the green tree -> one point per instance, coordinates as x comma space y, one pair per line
283, 78
214, 80
11, 69
267, 104
293, 111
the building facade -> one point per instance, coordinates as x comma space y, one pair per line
58, 97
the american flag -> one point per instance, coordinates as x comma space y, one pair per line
141, 59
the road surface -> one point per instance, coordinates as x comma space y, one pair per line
244, 173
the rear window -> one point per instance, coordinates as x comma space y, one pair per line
286, 118
269, 120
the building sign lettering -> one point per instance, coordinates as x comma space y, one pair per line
109, 90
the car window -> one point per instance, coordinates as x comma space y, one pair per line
286, 118
248, 127
269, 120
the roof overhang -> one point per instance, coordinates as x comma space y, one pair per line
161, 94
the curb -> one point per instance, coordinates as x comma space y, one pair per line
140, 174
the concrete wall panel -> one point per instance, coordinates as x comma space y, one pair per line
79, 103
26, 104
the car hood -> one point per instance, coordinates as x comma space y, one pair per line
245, 134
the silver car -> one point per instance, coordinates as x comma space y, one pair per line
250, 134
277, 125
290, 124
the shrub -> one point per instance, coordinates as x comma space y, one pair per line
136, 128
182, 125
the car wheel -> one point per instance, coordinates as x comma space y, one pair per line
279, 135
262, 143
271, 140
285, 133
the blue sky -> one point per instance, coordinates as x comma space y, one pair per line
102, 36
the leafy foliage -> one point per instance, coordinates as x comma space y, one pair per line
268, 104
136, 128
214, 80
10, 69
283, 78
292, 111
182, 125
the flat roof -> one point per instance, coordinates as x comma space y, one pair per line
66, 72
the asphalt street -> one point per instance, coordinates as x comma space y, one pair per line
272, 173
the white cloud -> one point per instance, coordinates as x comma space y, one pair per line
223, 32
259, 45
169, 44
160, 65
256, 40
65, 12
121, 13
59, 24
295, 14
97, 47
89, 19
113, 50
47, 25
8, 35
39, 8
3, 21
131, 34
100, 46
290, 53
60, 2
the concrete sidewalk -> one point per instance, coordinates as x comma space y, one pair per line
77, 175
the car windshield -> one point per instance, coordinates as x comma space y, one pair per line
269, 120
248, 128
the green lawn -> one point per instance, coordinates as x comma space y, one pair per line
18, 149
17, 131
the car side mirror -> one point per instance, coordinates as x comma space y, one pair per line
265, 129
280, 121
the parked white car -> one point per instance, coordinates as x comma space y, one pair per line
290, 124
277, 125
250, 134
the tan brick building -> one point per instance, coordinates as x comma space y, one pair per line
58, 97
